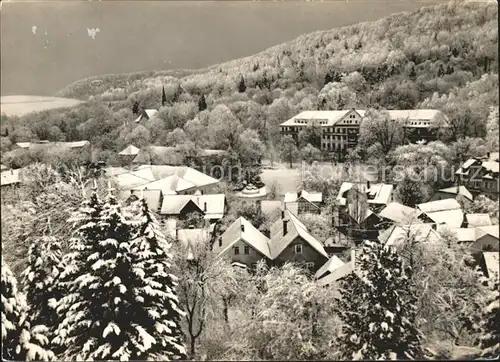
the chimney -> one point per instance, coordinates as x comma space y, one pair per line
204, 207
488, 155
285, 227
367, 184
282, 214
242, 228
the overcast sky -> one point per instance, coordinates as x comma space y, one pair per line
48, 44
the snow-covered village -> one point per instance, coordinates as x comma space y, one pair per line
265, 180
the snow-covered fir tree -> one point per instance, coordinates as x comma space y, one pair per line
112, 310
19, 340
377, 307
152, 265
490, 324
39, 281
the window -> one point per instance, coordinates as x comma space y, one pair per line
247, 250
236, 250
220, 241
310, 265
298, 249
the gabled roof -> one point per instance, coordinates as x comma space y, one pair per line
467, 235
47, 144
114, 171
130, 150
295, 228
173, 204
308, 196
492, 230
135, 178
439, 205
10, 177
446, 211
397, 234
377, 193
461, 190
474, 220
152, 197
250, 235
490, 166
170, 185
399, 213
333, 263
492, 263
189, 174
214, 204
414, 114
151, 112
331, 117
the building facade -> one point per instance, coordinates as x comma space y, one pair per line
340, 129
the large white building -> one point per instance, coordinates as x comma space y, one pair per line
340, 129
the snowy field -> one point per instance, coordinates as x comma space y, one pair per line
21, 105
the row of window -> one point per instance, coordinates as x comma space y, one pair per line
297, 249
330, 137
418, 123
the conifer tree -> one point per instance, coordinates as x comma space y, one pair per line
114, 309
202, 103
135, 108
39, 281
152, 263
378, 308
19, 340
163, 97
241, 85
490, 325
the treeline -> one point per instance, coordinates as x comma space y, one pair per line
441, 57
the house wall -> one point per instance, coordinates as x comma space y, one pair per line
305, 207
482, 244
309, 254
248, 259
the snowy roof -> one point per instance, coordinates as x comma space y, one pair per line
492, 263
474, 220
377, 193
467, 235
114, 171
10, 177
451, 218
460, 190
3, 167
47, 144
170, 185
331, 117
492, 230
129, 151
133, 179
333, 263
397, 234
152, 197
243, 230
212, 206
189, 174
309, 196
151, 112
399, 213
439, 205
295, 229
